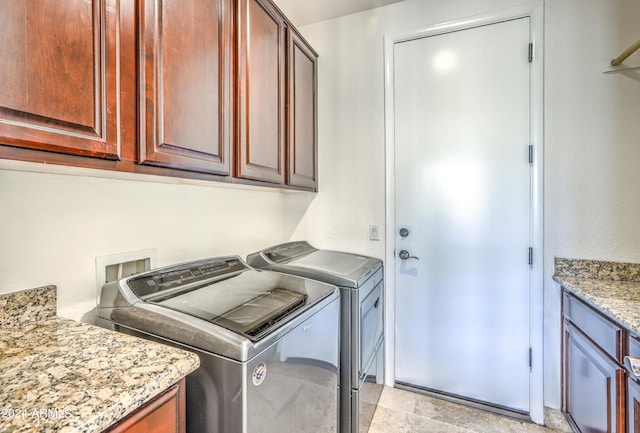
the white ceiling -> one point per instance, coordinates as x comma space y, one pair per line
303, 12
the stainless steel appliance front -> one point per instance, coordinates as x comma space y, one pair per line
362, 295
268, 343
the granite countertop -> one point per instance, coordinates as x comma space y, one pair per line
59, 375
611, 287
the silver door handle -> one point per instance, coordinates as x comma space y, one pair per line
404, 255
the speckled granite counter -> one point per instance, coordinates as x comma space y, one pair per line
611, 287
58, 375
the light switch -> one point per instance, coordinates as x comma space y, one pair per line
374, 232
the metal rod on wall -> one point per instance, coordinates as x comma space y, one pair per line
622, 57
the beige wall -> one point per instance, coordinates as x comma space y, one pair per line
53, 225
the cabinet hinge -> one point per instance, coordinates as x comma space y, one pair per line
530, 256
530, 358
531, 52
531, 154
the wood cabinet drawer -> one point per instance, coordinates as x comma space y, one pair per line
602, 331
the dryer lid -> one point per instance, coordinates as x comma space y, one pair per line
334, 267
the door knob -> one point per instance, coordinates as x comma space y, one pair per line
405, 255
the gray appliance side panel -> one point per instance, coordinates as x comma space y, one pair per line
214, 392
292, 387
215, 396
348, 364
362, 327
370, 329
363, 400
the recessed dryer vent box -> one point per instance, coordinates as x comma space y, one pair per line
116, 266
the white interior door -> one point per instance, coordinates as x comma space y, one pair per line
463, 192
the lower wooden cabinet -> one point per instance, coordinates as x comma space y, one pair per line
594, 385
164, 414
594, 378
633, 406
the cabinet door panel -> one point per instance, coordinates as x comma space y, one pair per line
633, 346
185, 84
302, 138
260, 92
13, 73
59, 82
633, 406
593, 385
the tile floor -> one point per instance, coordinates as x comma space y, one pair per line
401, 411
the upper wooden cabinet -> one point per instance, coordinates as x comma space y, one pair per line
185, 84
260, 146
302, 151
59, 76
210, 89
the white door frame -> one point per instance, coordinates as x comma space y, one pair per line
535, 11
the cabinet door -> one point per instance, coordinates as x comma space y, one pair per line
185, 87
302, 121
633, 406
59, 79
594, 386
261, 92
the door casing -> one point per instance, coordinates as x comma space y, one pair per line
535, 11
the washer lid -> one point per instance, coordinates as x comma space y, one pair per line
300, 258
228, 293
247, 304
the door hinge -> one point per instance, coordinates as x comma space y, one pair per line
531, 154
530, 358
531, 52
530, 256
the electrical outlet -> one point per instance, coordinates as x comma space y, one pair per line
121, 265
374, 232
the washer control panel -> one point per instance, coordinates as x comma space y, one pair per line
160, 280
